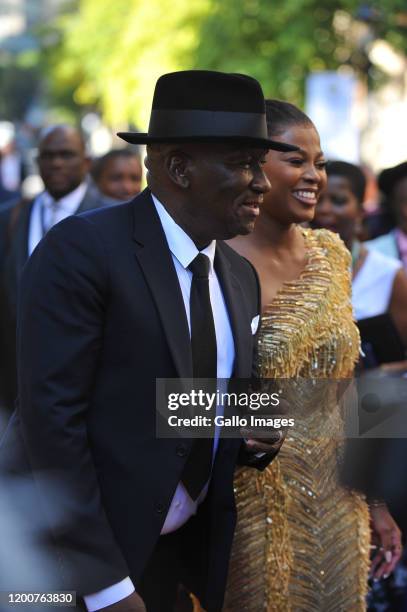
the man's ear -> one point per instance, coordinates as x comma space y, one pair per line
177, 165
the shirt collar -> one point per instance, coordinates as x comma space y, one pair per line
180, 244
69, 203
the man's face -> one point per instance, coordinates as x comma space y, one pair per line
62, 161
226, 188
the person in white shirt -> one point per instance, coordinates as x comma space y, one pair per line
379, 283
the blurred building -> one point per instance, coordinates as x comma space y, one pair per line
384, 139
360, 123
18, 18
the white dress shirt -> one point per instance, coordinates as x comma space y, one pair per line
372, 286
183, 251
46, 211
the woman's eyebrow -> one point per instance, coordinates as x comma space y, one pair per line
299, 150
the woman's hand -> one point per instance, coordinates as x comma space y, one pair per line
386, 536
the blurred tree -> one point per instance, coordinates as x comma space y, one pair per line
280, 42
110, 54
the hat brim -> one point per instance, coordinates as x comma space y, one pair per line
261, 143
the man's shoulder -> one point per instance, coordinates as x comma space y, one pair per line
111, 225
105, 216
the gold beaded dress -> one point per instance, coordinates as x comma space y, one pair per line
302, 540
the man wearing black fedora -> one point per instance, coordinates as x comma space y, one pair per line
110, 301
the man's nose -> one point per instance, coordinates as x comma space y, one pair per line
56, 160
261, 184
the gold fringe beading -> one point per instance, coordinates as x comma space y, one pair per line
302, 540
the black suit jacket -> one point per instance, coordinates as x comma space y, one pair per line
14, 231
101, 317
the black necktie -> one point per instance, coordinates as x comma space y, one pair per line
197, 469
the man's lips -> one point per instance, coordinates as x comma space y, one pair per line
56, 177
252, 207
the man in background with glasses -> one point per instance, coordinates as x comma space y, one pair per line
64, 167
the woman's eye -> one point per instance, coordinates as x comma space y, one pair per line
296, 161
339, 200
321, 165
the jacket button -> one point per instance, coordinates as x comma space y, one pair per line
159, 508
181, 450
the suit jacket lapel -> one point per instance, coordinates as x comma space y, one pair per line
155, 260
238, 314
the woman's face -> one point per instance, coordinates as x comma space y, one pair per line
338, 209
399, 203
297, 178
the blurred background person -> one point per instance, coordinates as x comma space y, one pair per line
118, 174
12, 166
377, 221
6, 195
379, 286
379, 283
393, 185
12, 170
64, 169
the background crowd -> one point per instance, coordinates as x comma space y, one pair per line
346, 65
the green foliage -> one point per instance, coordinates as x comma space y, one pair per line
110, 54
113, 52
281, 41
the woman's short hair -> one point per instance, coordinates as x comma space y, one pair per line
354, 174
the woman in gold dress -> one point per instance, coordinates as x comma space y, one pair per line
302, 541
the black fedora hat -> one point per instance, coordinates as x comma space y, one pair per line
207, 106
